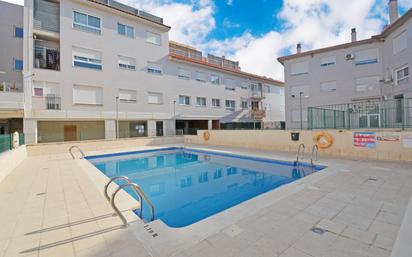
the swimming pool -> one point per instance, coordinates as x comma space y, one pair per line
188, 185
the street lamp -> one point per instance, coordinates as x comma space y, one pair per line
117, 117
301, 109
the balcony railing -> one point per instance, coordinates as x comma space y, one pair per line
11, 87
46, 58
258, 94
258, 114
53, 103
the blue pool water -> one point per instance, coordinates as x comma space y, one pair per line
187, 185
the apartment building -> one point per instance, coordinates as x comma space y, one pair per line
361, 84
11, 61
97, 69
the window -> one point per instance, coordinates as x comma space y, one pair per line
127, 95
183, 74
230, 84
18, 32
366, 84
215, 102
277, 90
86, 58
368, 56
244, 105
215, 79
44, 88
230, 105
400, 43
18, 65
184, 100
329, 86
299, 68
154, 68
297, 90
127, 63
86, 22
153, 38
154, 98
200, 76
125, 30
328, 61
87, 95
244, 85
201, 101
402, 75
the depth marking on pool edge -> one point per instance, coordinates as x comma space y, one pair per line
150, 230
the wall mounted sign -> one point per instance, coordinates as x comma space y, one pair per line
388, 137
364, 139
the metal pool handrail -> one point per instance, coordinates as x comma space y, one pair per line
314, 154
301, 152
140, 193
106, 187
80, 150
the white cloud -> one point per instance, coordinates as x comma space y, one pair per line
229, 2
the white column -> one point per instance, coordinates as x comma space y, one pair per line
209, 125
170, 127
30, 131
110, 129
151, 128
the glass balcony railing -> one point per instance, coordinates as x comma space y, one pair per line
11, 87
46, 58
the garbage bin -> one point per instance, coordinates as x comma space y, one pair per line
294, 136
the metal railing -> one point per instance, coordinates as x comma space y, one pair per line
396, 113
53, 103
314, 154
301, 153
78, 148
139, 192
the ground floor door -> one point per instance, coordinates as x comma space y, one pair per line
70, 133
159, 128
369, 116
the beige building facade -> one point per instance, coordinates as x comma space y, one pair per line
101, 69
373, 70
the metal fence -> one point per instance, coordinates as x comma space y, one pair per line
359, 115
6, 142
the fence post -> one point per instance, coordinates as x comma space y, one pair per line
347, 109
404, 105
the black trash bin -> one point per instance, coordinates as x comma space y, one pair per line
294, 136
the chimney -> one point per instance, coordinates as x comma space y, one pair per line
353, 34
299, 48
393, 11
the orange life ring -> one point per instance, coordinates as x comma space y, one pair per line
323, 140
206, 135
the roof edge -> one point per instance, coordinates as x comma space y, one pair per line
185, 59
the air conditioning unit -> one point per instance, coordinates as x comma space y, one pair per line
350, 57
387, 79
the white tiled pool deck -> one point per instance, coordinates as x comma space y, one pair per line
51, 206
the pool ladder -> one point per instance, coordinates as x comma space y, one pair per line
136, 188
300, 155
314, 155
78, 148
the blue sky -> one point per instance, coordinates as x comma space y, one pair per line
256, 32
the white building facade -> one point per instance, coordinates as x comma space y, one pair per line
101, 69
322, 82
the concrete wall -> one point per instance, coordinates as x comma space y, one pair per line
9, 160
101, 145
280, 141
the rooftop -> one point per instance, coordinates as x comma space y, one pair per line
376, 38
181, 52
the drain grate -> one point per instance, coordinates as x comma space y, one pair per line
372, 179
318, 231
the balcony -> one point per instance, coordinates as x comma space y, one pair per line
11, 87
53, 102
185, 51
46, 16
258, 114
257, 94
46, 58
